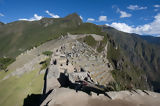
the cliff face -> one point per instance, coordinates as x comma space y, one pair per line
141, 52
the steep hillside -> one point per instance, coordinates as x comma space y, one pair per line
142, 54
152, 39
16, 37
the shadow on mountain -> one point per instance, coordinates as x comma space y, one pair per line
37, 99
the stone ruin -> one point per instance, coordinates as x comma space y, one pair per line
80, 62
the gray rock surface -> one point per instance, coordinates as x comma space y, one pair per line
69, 97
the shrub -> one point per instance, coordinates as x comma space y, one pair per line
45, 63
89, 40
48, 53
4, 62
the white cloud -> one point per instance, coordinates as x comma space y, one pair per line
52, 15
90, 19
121, 26
157, 6
24, 19
34, 18
102, 18
81, 17
146, 29
1, 15
123, 13
136, 7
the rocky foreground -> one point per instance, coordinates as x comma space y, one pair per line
69, 97
66, 93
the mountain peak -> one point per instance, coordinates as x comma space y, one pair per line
74, 16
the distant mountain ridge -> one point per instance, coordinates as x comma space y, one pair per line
151, 39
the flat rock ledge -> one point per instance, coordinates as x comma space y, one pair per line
69, 97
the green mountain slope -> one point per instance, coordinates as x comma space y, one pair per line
18, 36
142, 54
152, 39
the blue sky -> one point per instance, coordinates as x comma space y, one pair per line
133, 16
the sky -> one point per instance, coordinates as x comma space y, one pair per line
132, 16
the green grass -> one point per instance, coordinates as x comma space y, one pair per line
4, 62
89, 40
4, 73
45, 63
48, 53
99, 45
15, 89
